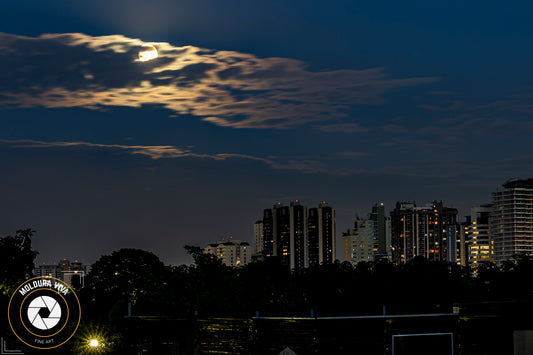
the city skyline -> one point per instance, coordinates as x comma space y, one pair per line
247, 105
465, 221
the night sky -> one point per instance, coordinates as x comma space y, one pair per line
250, 103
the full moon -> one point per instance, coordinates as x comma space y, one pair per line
149, 53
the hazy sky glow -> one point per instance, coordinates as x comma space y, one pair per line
250, 104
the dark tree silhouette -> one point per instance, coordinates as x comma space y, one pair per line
127, 275
16, 258
208, 288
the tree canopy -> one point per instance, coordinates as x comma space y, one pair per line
208, 288
16, 257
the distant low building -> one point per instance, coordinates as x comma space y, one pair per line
51, 270
232, 252
72, 272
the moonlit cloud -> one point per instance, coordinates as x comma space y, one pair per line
225, 88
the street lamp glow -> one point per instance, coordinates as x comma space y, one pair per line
93, 339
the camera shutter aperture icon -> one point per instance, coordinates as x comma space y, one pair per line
44, 312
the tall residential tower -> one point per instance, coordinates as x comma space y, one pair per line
299, 237
423, 231
285, 235
511, 219
479, 244
322, 234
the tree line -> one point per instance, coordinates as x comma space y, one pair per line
208, 288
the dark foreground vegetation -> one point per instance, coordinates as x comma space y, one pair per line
209, 289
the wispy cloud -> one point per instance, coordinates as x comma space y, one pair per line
152, 151
437, 166
342, 128
225, 88
519, 103
173, 152
313, 165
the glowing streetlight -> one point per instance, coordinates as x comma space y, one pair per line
93, 339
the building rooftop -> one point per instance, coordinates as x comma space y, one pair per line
519, 183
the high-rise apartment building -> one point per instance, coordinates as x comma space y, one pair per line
453, 243
258, 237
462, 235
369, 239
382, 230
312, 230
285, 235
299, 237
423, 231
268, 232
231, 252
511, 219
360, 242
479, 241
322, 234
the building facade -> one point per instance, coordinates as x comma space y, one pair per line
72, 272
297, 236
258, 237
462, 234
511, 220
322, 235
423, 231
231, 252
382, 230
51, 270
268, 232
480, 250
369, 239
285, 235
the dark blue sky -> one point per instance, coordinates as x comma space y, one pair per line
250, 103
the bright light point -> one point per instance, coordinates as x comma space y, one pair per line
93, 343
149, 53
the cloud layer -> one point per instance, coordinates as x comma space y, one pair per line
225, 88
302, 164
